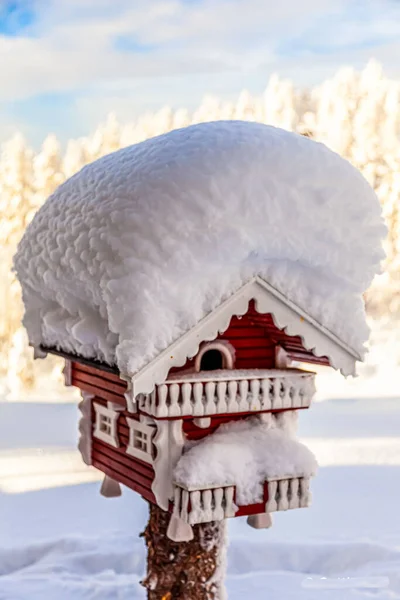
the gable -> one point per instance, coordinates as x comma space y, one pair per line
300, 332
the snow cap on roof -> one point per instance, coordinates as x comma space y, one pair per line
136, 248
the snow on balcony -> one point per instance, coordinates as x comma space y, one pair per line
229, 391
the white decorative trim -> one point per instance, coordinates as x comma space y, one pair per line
224, 347
261, 521
169, 442
110, 488
202, 422
38, 352
287, 316
282, 360
140, 440
67, 372
178, 530
220, 392
85, 427
105, 428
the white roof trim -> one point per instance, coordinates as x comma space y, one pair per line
286, 314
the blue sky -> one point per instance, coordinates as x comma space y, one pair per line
66, 63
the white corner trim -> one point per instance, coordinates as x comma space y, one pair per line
169, 442
140, 440
287, 316
106, 418
85, 427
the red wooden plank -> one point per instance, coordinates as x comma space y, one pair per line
109, 396
247, 353
123, 469
133, 485
119, 455
96, 371
102, 384
251, 509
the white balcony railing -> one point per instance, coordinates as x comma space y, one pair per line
229, 391
215, 504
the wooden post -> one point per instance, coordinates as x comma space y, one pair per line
184, 570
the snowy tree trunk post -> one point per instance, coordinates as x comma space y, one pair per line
184, 570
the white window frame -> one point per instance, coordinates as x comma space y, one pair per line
145, 432
102, 413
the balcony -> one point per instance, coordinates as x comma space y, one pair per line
211, 393
214, 504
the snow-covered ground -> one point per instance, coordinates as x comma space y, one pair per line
60, 540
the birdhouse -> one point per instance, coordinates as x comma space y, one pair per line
191, 282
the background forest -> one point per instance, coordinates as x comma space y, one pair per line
357, 114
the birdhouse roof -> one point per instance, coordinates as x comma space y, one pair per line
141, 249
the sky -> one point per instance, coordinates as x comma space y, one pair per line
65, 64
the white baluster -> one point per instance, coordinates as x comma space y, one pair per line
305, 495
198, 409
277, 400
222, 406
283, 503
294, 494
218, 510
244, 392
184, 506
272, 491
162, 408
233, 405
207, 505
229, 505
296, 403
210, 408
174, 408
255, 385
266, 400
187, 407
153, 405
177, 502
195, 513
286, 400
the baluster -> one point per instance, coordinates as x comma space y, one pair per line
233, 405
210, 407
198, 409
177, 502
272, 504
286, 400
266, 400
276, 398
283, 503
195, 513
305, 495
207, 505
294, 494
243, 392
184, 506
255, 385
229, 505
162, 408
153, 402
187, 407
222, 406
174, 408
218, 509
296, 401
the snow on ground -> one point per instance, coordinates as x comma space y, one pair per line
70, 543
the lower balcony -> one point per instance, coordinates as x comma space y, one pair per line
229, 391
194, 506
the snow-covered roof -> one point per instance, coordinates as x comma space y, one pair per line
137, 248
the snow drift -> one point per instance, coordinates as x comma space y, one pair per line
138, 246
